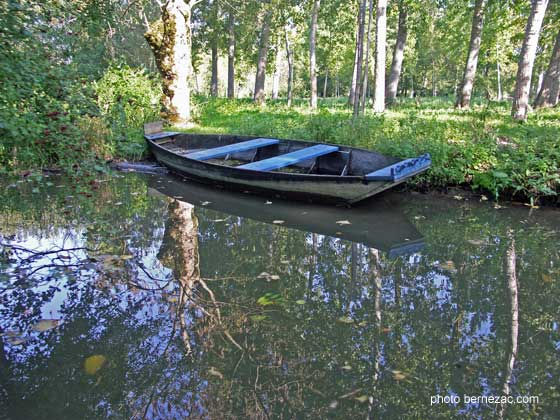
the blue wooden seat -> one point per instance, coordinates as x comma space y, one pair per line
218, 152
400, 170
290, 158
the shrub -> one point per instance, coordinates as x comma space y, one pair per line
127, 98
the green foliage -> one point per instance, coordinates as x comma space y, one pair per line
127, 98
479, 149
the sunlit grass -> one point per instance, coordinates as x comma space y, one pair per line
481, 148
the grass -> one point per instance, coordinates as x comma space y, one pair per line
482, 149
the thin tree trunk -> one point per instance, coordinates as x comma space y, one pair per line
312, 53
366, 66
398, 55
465, 91
290, 58
325, 83
527, 59
259, 95
434, 84
360, 44
276, 75
214, 77
353, 84
498, 71
231, 56
548, 94
380, 51
171, 43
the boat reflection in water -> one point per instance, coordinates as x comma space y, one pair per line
377, 223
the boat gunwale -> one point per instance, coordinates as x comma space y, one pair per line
293, 176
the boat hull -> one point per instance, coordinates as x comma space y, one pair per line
328, 186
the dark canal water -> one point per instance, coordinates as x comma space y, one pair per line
144, 297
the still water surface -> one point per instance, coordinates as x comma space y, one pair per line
141, 296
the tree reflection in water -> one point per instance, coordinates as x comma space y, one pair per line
199, 313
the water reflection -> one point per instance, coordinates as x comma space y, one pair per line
202, 306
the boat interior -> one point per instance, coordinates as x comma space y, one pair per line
268, 154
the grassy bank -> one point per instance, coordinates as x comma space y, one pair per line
481, 149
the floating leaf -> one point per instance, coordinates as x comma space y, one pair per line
94, 363
346, 367
278, 222
45, 325
343, 222
270, 298
546, 278
345, 320
268, 203
258, 318
215, 372
205, 203
398, 375
448, 266
300, 302
362, 398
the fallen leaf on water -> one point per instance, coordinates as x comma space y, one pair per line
345, 320
178, 197
398, 375
278, 222
343, 222
215, 372
118, 203
546, 278
125, 257
45, 325
362, 398
346, 367
448, 265
94, 363
476, 242
268, 202
300, 302
205, 203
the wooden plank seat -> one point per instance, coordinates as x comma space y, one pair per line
400, 170
218, 152
290, 158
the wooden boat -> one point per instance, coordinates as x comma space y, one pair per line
287, 168
379, 224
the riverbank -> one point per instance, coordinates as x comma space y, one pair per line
480, 150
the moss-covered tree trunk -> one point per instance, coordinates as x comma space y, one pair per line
170, 39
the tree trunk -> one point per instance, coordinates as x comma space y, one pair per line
312, 45
325, 83
366, 66
353, 84
498, 71
214, 78
465, 91
548, 94
527, 59
276, 75
290, 58
259, 93
170, 39
360, 60
231, 56
380, 51
398, 55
